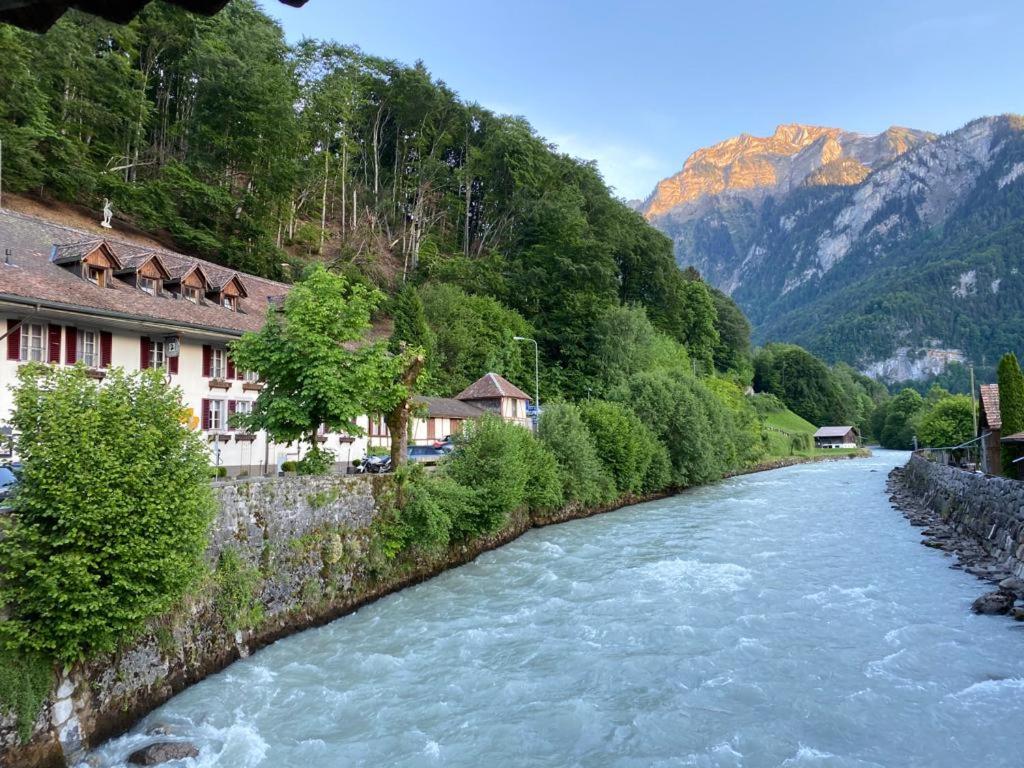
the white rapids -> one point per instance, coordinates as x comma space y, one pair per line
789, 618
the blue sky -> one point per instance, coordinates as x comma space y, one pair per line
639, 85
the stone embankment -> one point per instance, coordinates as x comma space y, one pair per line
976, 518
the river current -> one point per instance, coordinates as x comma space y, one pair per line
787, 618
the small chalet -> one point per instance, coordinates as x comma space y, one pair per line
837, 437
990, 425
495, 394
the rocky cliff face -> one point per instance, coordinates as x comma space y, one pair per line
818, 233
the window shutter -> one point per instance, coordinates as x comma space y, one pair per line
206, 413
54, 334
13, 339
231, 412
172, 363
207, 359
144, 352
230, 365
70, 345
106, 348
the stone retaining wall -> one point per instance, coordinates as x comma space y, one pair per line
307, 538
989, 509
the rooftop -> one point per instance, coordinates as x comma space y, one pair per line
833, 431
990, 405
491, 386
29, 273
449, 408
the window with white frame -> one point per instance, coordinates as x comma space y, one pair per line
243, 408
218, 414
218, 363
89, 348
157, 354
149, 285
230, 302
252, 377
33, 342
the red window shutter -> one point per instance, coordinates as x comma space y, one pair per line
172, 363
206, 413
207, 359
54, 334
144, 351
13, 339
106, 348
231, 412
70, 345
231, 366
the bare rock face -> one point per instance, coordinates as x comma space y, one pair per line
163, 752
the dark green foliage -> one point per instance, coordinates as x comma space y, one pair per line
624, 444
236, 595
584, 478
316, 461
77, 578
474, 335
946, 422
25, 682
506, 469
898, 419
802, 382
1011, 408
410, 323
690, 422
732, 352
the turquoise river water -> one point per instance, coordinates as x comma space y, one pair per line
788, 618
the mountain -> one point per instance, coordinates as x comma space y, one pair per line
898, 253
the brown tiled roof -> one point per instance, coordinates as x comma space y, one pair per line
1016, 437
449, 408
990, 405
31, 275
491, 386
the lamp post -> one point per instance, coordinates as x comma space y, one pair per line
536, 373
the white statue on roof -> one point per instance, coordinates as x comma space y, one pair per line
108, 213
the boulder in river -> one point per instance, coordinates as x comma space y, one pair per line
163, 752
993, 603
1012, 584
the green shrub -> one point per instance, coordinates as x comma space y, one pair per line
216, 472
506, 469
111, 516
236, 597
624, 444
317, 461
289, 466
25, 681
584, 478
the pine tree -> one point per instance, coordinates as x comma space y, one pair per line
1011, 406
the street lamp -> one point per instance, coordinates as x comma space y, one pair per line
536, 371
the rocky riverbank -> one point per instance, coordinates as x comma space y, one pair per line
943, 528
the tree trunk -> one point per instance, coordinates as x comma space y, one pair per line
323, 203
398, 418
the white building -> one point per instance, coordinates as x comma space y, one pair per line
68, 296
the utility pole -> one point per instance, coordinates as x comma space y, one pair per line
974, 404
1, 174
536, 373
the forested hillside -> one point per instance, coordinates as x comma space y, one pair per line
263, 156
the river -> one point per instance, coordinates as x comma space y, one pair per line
787, 618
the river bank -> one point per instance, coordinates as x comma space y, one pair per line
313, 544
973, 518
698, 629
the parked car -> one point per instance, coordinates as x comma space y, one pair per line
8, 480
426, 454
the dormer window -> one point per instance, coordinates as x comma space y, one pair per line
96, 275
149, 285
192, 293
230, 302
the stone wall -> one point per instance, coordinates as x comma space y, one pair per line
989, 509
308, 541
